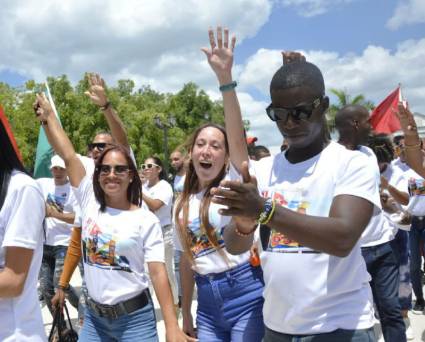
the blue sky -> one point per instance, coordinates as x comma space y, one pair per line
361, 46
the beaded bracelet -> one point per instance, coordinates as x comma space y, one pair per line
105, 106
268, 211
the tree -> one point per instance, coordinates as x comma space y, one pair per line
345, 99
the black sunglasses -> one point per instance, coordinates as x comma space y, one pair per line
119, 170
99, 146
301, 112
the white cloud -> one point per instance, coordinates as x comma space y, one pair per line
154, 41
407, 12
375, 73
311, 8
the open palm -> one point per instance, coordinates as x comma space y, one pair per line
220, 55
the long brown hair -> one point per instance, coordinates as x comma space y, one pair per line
191, 187
134, 190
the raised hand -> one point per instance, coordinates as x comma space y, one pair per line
42, 107
220, 55
292, 56
97, 91
407, 121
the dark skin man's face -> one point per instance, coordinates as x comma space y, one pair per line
300, 133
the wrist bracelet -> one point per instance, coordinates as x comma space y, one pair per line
268, 211
43, 122
412, 147
105, 106
242, 234
63, 287
228, 87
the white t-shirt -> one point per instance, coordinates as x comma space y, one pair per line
307, 291
164, 192
379, 230
208, 259
62, 197
115, 245
178, 183
416, 187
21, 225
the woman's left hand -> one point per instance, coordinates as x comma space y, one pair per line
220, 55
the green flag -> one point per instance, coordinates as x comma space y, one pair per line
44, 150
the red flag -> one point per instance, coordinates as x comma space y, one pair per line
383, 119
6, 126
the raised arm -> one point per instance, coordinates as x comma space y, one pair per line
412, 147
220, 58
97, 94
59, 140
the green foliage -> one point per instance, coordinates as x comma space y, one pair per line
81, 119
345, 99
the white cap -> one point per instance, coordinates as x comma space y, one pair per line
57, 161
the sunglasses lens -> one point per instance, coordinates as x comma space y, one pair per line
105, 169
121, 169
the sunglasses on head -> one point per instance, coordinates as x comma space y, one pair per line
99, 146
301, 112
148, 166
119, 170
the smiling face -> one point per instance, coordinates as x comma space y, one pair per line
101, 138
209, 155
299, 133
114, 183
151, 174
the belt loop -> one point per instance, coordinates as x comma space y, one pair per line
230, 278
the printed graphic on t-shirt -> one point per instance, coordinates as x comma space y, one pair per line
58, 202
278, 242
416, 187
99, 249
200, 245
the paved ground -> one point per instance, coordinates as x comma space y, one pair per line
417, 321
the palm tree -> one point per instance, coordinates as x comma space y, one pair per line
345, 99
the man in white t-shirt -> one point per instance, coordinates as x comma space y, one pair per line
177, 163
60, 214
352, 123
317, 199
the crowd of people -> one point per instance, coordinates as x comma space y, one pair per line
314, 243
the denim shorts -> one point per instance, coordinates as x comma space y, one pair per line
230, 305
139, 325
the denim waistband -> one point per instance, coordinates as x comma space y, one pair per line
231, 273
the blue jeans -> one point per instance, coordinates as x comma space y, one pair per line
340, 335
140, 325
177, 257
230, 305
382, 266
416, 239
400, 246
50, 272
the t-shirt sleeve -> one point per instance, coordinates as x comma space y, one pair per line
25, 223
164, 193
359, 178
153, 245
84, 193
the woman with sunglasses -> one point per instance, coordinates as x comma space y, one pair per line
230, 289
158, 196
22, 211
118, 237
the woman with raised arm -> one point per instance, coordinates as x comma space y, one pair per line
118, 236
22, 212
229, 288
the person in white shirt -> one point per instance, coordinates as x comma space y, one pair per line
118, 236
177, 162
22, 212
317, 198
229, 287
158, 195
60, 214
352, 123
